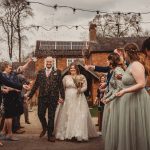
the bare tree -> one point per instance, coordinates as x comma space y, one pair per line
117, 24
7, 21
23, 12
14, 14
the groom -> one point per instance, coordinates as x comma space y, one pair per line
51, 92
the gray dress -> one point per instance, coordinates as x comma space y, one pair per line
134, 123
111, 110
129, 125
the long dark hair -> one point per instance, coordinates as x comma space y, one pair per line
75, 66
114, 59
146, 45
132, 51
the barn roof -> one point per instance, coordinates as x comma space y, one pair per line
60, 48
82, 48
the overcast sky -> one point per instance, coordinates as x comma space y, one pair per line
48, 17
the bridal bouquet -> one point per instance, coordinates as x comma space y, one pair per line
79, 80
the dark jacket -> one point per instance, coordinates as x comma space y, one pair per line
48, 86
5, 81
105, 70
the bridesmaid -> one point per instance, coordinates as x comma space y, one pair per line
134, 121
111, 110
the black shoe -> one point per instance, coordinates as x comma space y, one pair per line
51, 139
42, 133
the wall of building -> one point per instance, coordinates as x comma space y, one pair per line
61, 63
99, 59
39, 64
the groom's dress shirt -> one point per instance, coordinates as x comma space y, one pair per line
48, 71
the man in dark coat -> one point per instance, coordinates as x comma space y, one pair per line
51, 90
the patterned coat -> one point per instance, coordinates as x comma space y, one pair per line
48, 86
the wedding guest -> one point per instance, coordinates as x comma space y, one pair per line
98, 101
107, 69
7, 82
10, 98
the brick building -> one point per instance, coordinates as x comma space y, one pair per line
84, 52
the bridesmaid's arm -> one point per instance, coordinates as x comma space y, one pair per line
138, 72
118, 84
6, 82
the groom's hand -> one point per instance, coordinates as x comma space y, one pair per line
60, 101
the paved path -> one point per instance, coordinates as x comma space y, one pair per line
30, 139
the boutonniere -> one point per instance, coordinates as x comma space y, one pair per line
54, 69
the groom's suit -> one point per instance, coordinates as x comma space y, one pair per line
50, 90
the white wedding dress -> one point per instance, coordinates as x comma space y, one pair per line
73, 119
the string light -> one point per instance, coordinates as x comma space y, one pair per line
85, 27
87, 10
55, 6
97, 12
74, 10
56, 28
119, 13
37, 27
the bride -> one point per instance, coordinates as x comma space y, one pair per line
73, 119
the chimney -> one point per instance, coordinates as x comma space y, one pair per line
92, 32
